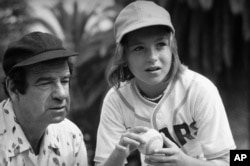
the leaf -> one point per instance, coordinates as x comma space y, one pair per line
193, 4
227, 38
194, 39
246, 21
206, 4
236, 6
217, 38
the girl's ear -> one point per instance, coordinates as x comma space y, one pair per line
119, 52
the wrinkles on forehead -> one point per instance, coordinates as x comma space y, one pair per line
55, 68
46, 66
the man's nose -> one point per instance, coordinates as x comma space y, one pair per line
60, 92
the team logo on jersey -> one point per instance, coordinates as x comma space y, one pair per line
183, 132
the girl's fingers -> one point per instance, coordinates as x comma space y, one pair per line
165, 151
131, 138
160, 158
168, 142
138, 129
131, 142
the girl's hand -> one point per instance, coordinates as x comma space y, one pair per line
131, 139
170, 156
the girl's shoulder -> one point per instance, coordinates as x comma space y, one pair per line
124, 90
196, 80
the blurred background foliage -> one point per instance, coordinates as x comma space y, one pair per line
213, 39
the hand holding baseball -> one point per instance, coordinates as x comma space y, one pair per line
132, 139
153, 140
171, 155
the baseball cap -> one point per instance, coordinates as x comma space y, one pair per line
33, 48
140, 14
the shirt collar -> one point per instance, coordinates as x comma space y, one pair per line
16, 141
51, 138
2, 124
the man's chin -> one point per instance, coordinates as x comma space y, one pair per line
58, 119
59, 116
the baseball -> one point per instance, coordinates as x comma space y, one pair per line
153, 140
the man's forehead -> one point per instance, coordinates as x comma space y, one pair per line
46, 68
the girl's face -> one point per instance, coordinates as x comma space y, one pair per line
148, 55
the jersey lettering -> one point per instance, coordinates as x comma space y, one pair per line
167, 134
182, 132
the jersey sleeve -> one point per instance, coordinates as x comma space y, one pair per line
111, 126
214, 132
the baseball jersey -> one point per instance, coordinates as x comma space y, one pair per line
190, 113
62, 143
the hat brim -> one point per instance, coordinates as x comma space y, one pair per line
143, 24
48, 55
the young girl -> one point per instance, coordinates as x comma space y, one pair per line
152, 89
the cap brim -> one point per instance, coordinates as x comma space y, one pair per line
144, 24
49, 55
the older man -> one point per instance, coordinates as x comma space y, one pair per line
33, 127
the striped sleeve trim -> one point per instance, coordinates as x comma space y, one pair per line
220, 153
184, 100
131, 108
99, 159
142, 118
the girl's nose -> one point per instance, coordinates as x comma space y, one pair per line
151, 55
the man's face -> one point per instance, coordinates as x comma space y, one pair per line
47, 98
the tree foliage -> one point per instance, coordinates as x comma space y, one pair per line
13, 18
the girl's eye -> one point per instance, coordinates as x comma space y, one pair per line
139, 48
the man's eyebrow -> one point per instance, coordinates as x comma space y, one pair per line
41, 79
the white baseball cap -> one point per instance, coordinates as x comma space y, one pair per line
140, 14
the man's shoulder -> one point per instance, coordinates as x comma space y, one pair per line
65, 126
2, 120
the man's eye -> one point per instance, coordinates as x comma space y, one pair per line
43, 83
65, 81
161, 44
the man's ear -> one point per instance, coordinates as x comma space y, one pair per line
10, 86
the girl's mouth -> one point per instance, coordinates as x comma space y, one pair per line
152, 69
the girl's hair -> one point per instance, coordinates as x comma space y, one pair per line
118, 70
